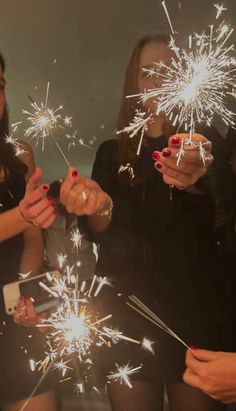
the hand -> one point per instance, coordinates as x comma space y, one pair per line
83, 196
26, 315
190, 168
35, 207
213, 372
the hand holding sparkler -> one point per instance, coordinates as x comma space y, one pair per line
83, 196
35, 207
26, 316
194, 160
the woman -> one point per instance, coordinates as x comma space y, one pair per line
21, 251
160, 246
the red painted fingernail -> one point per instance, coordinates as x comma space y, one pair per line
192, 347
49, 198
45, 187
166, 152
158, 165
53, 205
74, 173
175, 140
155, 155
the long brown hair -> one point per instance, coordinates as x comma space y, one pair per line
128, 147
12, 165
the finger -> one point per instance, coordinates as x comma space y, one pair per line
192, 379
91, 203
43, 217
33, 211
191, 155
72, 178
35, 195
47, 223
177, 139
20, 310
76, 198
181, 178
203, 355
34, 180
186, 167
31, 313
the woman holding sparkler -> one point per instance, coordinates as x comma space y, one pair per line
23, 207
160, 244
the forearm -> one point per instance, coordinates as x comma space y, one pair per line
32, 257
12, 223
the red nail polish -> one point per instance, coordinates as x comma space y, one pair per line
155, 155
175, 140
166, 152
49, 198
158, 165
53, 205
192, 347
74, 173
45, 187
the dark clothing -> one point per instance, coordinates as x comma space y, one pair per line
165, 251
17, 344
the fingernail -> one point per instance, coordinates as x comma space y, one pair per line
74, 173
158, 165
49, 198
175, 140
53, 205
155, 155
45, 187
192, 347
166, 152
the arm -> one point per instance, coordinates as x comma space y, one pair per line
32, 257
212, 372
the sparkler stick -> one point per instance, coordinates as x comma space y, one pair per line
143, 310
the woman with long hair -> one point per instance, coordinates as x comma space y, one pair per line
24, 207
160, 246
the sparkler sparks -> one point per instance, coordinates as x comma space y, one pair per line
18, 147
76, 238
123, 374
220, 8
45, 121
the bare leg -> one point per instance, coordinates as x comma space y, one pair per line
42, 402
185, 398
143, 396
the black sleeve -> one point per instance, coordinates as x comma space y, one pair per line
211, 182
103, 170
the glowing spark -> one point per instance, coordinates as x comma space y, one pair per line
123, 374
61, 258
67, 121
220, 8
19, 150
76, 238
148, 345
139, 124
23, 276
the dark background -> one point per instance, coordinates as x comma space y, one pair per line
91, 41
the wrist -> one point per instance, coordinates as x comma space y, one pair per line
106, 212
23, 216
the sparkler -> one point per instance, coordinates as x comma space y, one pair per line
143, 310
196, 82
18, 147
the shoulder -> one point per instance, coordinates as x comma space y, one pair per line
27, 157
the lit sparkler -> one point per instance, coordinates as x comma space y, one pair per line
196, 82
18, 147
45, 121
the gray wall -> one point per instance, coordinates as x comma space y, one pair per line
91, 40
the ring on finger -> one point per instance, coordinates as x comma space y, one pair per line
84, 195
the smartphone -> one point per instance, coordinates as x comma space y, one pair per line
30, 287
